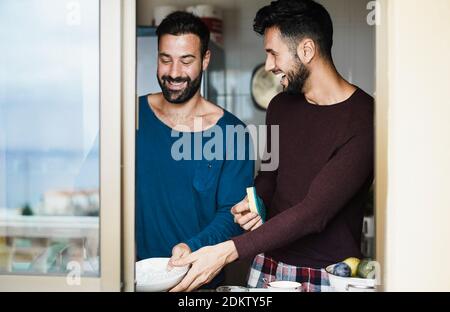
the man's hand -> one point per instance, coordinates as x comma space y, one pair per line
178, 251
206, 264
248, 220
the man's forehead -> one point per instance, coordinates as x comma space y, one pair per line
271, 35
179, 44
273, 41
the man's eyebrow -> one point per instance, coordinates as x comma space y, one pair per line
183, 57
188, 55
271, 51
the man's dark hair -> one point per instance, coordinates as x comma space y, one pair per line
182, 23
296, 20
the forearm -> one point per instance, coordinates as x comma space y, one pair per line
279, 231
219, 230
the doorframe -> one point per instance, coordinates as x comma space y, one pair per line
381, 133
129, 127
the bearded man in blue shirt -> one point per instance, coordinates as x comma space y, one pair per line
191, 166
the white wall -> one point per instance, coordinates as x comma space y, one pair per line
414, 153
354, 41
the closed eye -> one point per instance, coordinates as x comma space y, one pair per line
187, 60
165, 60
271, 52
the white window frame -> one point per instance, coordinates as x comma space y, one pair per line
111, 52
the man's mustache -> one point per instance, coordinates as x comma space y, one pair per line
175, 80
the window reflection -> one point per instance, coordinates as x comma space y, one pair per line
49, 145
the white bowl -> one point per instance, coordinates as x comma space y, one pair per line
284, 286
152, 275
349, 284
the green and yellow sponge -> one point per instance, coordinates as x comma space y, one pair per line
256, 204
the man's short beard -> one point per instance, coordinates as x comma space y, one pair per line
297, 78
192, 86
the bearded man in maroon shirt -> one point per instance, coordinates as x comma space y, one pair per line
316, 197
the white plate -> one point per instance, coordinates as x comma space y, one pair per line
284, 286
152, 275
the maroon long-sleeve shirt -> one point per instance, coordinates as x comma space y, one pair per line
316, 197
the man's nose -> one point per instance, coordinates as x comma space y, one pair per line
270, 64
175, 70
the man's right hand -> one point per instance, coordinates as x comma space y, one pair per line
248, 220
178, 251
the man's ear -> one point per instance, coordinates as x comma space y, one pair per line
206, 58
306, 50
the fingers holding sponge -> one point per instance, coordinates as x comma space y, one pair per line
256, 204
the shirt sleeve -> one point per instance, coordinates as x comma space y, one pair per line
237, 174
338, 181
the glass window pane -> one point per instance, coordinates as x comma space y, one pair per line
49, 144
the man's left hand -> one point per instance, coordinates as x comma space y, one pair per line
206, 262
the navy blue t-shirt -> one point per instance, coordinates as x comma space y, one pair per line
184, 196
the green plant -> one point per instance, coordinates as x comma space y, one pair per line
27, 211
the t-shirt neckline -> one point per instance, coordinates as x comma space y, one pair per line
219, 121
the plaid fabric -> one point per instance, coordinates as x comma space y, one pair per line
265, 270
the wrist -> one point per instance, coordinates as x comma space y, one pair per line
231, 253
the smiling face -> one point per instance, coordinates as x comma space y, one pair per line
283, 61
180, 66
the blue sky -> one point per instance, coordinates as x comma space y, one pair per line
49, 77
49, 96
